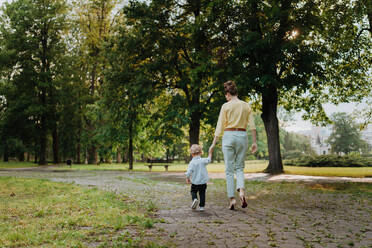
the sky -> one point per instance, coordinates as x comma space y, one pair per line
299, 124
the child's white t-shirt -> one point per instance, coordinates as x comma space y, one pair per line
197, 170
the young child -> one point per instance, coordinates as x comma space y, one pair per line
197, 174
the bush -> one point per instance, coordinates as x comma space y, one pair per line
251, 157
294, 154
331, 161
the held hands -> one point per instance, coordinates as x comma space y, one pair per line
211, 148
188, 180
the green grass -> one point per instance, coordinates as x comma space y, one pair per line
330, 171
251, 166
262, 188
6, 165
40, 213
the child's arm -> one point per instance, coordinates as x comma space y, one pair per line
188, 173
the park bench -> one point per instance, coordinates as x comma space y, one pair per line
158, 162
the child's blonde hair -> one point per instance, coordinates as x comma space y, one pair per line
195, 149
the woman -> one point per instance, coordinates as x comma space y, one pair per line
235, 115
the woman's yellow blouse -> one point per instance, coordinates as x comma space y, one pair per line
234, 114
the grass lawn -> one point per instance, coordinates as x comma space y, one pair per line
329, 171
40, 213
6, 165
251, 166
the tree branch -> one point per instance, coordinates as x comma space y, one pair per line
186, 56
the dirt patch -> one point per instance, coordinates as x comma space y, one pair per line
279, 214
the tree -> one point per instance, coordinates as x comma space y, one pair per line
95, 18
346, 54
266, 45
164, 123
35, 49
178, 55
295, 54
126, 90
345, 137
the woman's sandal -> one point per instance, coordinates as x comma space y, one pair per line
243, 201
232, 204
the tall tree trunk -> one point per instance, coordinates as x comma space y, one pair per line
269, 108
167, 154
55, 146
130, 150
21, 157
92, 150
78, 146
43, 146
92, 154
36, 152
194, 130
118, 156
43, 94
78, 153
6, 151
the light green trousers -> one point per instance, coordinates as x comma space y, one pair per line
234, 148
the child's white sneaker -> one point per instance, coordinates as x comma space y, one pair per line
201, 209
194, 203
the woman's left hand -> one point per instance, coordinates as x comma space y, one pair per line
254, 148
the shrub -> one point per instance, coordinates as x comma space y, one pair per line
292, 154
251, 157
331, 161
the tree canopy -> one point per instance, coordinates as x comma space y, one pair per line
346, 137
94, 78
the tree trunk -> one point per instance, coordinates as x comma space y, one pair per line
269, 108
78, 147
92, 149
92, 154
36, 153
21, 157
167, 154
78, 153
194, 130
6, 152
43, 94
118, 156
55, 146
130, 150
125, 156
43, 145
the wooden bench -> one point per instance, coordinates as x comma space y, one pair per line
159, 162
